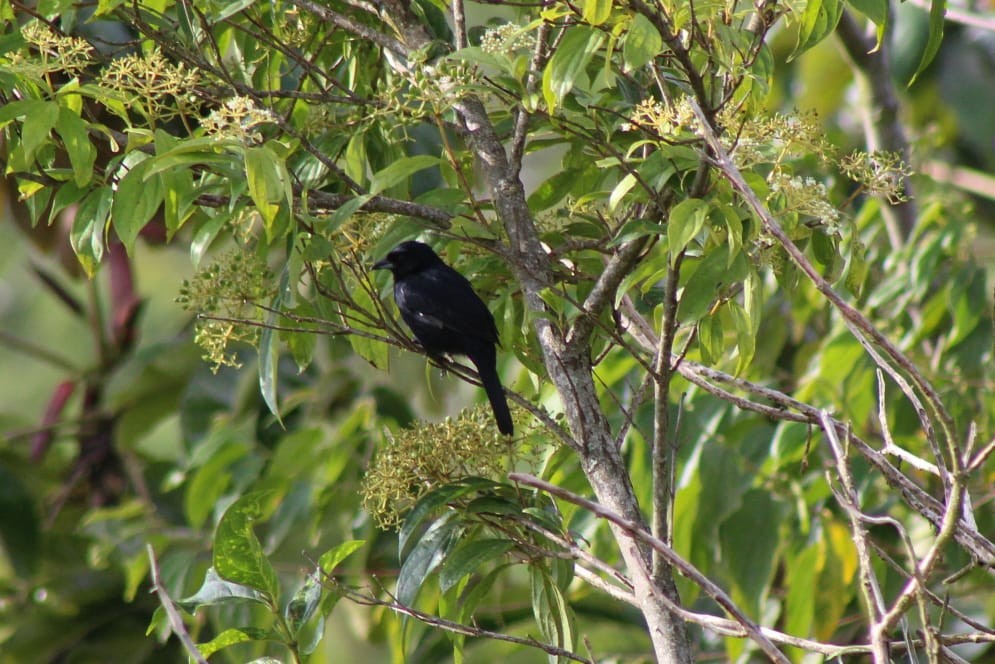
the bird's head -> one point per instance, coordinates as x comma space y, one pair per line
408, 257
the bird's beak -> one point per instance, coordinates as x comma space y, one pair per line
383, 265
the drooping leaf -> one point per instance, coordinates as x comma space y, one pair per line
937, 14
817, 22
135, 201
426, 555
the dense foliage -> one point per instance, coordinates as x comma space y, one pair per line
759, 342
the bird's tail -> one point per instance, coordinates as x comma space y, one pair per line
495, 394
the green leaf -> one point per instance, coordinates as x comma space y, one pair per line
172, 153
877, 11
817, 22
750, 541
799, 605
427, 504
210, 481
302, 605
344, 212
597, 12
568, 63
238, 555
468, 556
269, 183
82, 155
330, 559
426, 555
746, 341
642, 43
686, 220
269, 352
552, 614
400, 170
177, 180
68, 194
19, 528
620, 190
937, 12
552, 190
135, 201
205, 235
711, 341
87, 234
216, 590
704, 285
234, 635
39, 118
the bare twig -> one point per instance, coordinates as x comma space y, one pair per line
176, 624
639, 532
849, 501
368, 599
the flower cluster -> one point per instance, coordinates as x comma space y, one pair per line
61, 53
774, 138
237, 118
881, 173
506, 38
226, 294
663, 119
804, 196
414, 461
148, 81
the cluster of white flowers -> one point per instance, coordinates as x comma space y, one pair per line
881, 173
663, 119
506, 38
237, 118
807, 196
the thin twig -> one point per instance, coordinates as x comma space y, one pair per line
368, 599
176, 624
684, 567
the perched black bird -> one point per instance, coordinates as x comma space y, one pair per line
447, 316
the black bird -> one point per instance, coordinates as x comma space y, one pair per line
447, 316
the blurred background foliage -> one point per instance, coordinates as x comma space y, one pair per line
116, 433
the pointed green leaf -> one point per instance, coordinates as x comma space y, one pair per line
467, 558
82, 155
269, 352
686, 220
642, 43
817, 22
36, 129
269, 182
937, 13
238, 555
330, 559
426, 555
400, 170
215, 590
87, 234
234, 635
568, 63
135, 201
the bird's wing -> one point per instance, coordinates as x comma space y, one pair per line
443, 299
